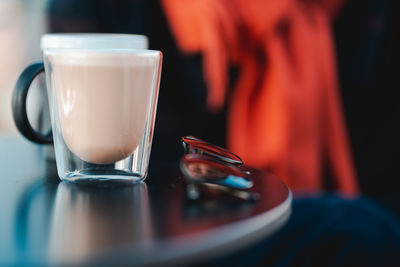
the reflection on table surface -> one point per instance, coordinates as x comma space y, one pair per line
89, 219
53, 222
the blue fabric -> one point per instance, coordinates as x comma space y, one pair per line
328, 231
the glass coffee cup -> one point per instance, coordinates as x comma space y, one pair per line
102, 93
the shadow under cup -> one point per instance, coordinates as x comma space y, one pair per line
102, 98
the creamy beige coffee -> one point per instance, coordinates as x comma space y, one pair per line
103, 100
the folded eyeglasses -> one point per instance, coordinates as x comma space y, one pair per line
206, 166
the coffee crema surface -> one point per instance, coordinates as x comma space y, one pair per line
103, 99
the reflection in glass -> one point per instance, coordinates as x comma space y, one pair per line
201, 168
195, 145
207, 174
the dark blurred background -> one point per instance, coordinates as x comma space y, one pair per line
367, 41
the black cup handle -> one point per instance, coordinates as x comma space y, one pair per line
19, 105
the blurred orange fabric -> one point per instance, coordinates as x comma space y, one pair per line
284, 110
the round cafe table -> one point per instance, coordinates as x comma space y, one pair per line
47, 222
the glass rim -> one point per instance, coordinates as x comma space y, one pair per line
83, 51
93, 41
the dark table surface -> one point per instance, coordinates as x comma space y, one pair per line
47, 222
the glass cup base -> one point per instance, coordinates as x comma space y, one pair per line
109, 177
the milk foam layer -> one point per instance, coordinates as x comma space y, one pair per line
103, 100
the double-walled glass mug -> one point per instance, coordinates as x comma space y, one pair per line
102, 93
